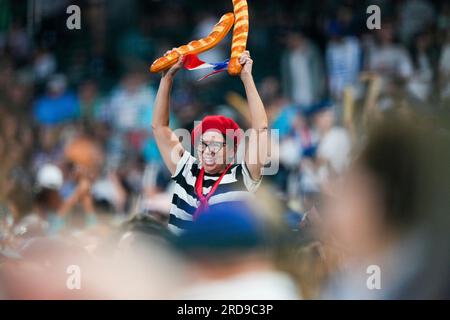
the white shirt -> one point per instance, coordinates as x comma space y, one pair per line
334, 147
301, 80
343, 61
256, 285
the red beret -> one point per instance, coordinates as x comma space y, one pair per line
219, 123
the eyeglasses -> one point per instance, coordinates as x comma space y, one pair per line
213, 146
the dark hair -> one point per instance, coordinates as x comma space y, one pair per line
431, 52
395, 156
146, 226
46, 198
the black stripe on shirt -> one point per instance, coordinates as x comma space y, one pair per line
179, 223
181, 181
207, 183
183, 205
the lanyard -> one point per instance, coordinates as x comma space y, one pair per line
199, 190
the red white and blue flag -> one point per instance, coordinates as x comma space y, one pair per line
192, 62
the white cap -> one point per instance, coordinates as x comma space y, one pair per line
50, 176
104, 189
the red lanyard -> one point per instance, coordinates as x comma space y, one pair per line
199, 190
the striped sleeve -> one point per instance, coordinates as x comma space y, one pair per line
187, 157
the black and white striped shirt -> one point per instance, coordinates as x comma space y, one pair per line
236, 185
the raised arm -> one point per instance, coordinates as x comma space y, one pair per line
168, 144
256, 149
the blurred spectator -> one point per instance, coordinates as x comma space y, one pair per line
333, 150
5, 20
47, 202
18, 42
384, 214
48, 148
302, 70
58, 105
44, 65
444, 69
296, 148
92, 105
423, 56
227, 248
343, 58
156, 199
109, 191
135, 46
414, 16
272, 97
130, 113
443, 19
298, 142
390, 60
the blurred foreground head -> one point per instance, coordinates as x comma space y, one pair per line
49, 180
396, 182
227, 247
392, 206
139, 267
225, 232
85, 153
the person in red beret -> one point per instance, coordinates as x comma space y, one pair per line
212, 175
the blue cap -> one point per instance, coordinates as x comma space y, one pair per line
334, 29
230, 226
323, 105
310, 152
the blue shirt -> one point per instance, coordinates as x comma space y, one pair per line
55, 110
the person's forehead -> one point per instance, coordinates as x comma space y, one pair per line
324, 113
212, 135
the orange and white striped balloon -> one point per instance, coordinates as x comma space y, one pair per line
219, 31
240, 35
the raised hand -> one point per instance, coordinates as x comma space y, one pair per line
247, 63
174, 69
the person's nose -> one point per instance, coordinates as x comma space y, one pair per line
212, 153
208, 152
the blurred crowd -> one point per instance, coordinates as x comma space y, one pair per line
361, 115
